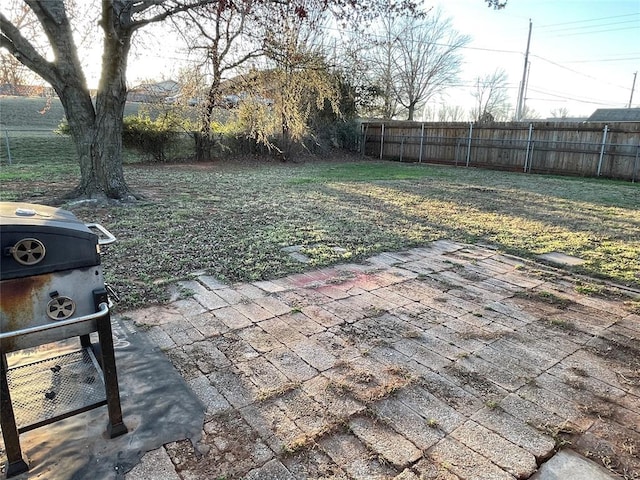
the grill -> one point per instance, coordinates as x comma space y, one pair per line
52, 289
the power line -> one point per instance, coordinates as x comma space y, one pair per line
591, 32
465, 47
565, 96
577, 72
604, 60
588, 20
600, 25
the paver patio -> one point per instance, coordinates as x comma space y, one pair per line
444, 362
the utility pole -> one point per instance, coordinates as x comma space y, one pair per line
633, 87
520, 104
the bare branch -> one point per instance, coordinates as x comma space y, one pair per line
178, 7
23, 50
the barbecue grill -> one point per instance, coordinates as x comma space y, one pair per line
52, 289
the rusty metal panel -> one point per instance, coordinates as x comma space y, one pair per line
25, 302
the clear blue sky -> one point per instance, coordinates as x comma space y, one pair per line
583, 53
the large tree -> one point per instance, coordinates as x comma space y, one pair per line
416, 58
224, 37
491, 97
96, 127
301, 83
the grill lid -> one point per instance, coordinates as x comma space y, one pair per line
37, 239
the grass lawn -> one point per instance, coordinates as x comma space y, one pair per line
232, 219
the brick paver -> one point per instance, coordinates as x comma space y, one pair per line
448, 362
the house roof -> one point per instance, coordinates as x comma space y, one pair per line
615, 115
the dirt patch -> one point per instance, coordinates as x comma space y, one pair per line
313, 463
229, 449
477, 382
547, 298
607, 446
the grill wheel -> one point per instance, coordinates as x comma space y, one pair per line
28, 251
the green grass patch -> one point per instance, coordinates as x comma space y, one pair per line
232, 219
369, 171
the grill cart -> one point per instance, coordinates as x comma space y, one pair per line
52, 289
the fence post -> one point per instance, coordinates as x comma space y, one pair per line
402, 147
469, 144
381, 140
604, 141
421, 143
6, 137
635, 164
363, 147
526, 157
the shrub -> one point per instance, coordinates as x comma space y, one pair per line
149, 137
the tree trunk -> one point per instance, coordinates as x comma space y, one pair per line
203, 138
99, 142
204, 142
96, 130
97, 134
412, 109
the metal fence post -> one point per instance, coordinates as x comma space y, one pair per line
363, 147
381, 140
421, 143
604, 141
6, 137
526, 157
469, 145
635, 164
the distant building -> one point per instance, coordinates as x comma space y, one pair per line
153, 92
565, 119
26, 90
615, 115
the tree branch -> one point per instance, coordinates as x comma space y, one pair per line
178, 8
24, 51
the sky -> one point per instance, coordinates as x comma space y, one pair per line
583, 53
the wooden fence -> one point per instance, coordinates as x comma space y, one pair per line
588, 149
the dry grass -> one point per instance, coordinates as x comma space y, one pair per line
232, 220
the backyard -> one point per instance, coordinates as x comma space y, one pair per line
235, 219
250, 218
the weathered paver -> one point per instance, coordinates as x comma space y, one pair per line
290, 364
232, 318
210, 300
155, 464
408, 423
253, 311
352, 455
509, 457
568, 464
272, 470
213, 400
393, 447
260, 340
315, 354
445, 362
435, 412
516, 431
464, 462
273, 305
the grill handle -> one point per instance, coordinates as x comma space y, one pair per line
103, 310
105, 237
